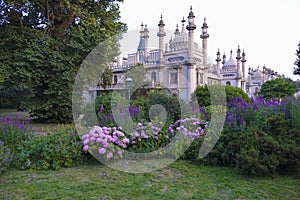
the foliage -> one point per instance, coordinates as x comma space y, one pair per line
203, 96
6, 157
42, 51
14, 132
190, 132
278, 88
297, 62
259, 137
171, 103
52, 150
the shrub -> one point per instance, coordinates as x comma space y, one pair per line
6, 157
61, 148
171, 103
14, 132
259, 137
202, 94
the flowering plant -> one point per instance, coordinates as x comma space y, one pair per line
5, 157
109, 142
13, 132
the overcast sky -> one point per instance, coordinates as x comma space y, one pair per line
268, 30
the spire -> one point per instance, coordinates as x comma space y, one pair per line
142, 27
243, 56
161, 22
191, 25
218, 56
177, 30
224, 59
204, 27
238, 56
183, 21
191, 14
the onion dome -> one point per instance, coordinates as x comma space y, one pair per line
230, 64
161, 22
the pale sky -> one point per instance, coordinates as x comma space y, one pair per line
268, 30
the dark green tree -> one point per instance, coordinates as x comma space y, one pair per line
297, 62
42, 51
278, 88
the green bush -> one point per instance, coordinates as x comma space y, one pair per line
6, 157
261, 137
202, 94
61, 148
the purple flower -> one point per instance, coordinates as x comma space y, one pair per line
85, 148
102, 151
109, 155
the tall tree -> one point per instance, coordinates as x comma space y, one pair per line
43, 44
297, 62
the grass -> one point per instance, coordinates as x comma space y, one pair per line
180, 180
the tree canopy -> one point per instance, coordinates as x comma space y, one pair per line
297, 62
278, 88
43, 44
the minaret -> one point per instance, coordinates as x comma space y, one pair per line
243, 63
176, 31
146, 36
204, 37
191, 27
191, 72
218, 62
243, 71
161, 34
141, 48
224, 59
238, 64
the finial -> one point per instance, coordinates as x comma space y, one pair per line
161, 22
183, 21
191, 8
204, 19
231, 52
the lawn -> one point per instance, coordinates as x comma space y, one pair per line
180, 180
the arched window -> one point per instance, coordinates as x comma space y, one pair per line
153, 76
228, 83
115, 79
256, 89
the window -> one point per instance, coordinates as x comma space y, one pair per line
228, 83
115, 79
174, 77
153, 76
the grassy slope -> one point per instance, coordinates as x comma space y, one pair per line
180, 180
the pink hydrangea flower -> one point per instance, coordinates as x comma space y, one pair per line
109, 155
102, 151
85, 147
